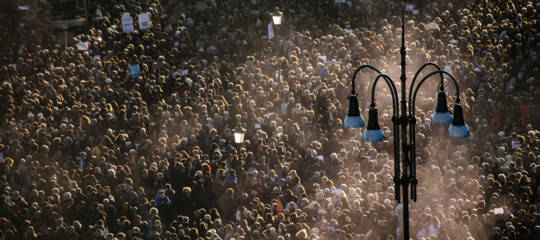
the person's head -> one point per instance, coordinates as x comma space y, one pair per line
187, 191
121, 236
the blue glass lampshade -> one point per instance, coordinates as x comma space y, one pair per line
373, 136
354, 122
441, 115
458, 129
373, 132
353, 118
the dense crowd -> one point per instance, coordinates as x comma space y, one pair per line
89, 152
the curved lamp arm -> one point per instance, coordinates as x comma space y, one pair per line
412, 123
353, 91
416, 76
393, 90
413, 103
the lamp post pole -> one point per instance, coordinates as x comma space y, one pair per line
277, 17
405, 123
405, 147
277, 55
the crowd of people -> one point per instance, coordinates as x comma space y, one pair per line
92, 150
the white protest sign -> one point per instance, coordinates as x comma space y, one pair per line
83, 46
415, 12
324, 59
338, 191
409, 7
270, 31
448, 68
99, 15
515, 144
144, 21
127, 23
432, 25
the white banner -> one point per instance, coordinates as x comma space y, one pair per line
409, 7
270, 31
515, 144
432, 25
127, 24
144, 21
83, 46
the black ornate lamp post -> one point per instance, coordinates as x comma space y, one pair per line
277, 16
239, 133
405, 123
